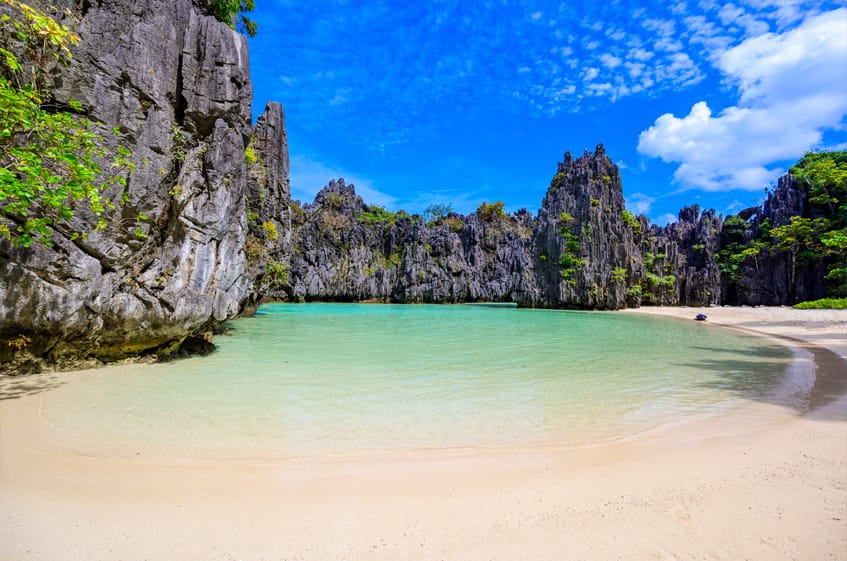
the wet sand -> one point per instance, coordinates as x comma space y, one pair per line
764, 482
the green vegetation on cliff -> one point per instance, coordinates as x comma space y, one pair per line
52, 159
232, 13
824, 176
490, 212
819, 236
378, 215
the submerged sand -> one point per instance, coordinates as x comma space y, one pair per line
764, 482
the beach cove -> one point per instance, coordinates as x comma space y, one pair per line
759, 482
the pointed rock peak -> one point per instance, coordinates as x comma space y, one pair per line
689, 214
599, 150
568, 157
339, 195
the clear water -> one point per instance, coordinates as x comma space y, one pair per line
302, 380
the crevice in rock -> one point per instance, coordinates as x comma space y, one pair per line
180, 103
84, 7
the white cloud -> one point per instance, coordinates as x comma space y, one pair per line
791, 88
729, 13
668, 44
665, 219
681, 70
805, 60
787, 11
734, 207
665, 28
635, 69
599, 89
679, 8
639, 203
341, 96
610, 61
640, 54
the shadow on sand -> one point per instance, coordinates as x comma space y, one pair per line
734, 371
14, 387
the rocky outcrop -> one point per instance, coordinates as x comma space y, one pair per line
581, 251
585, 251
765, 278
678, 265
172, 263
269, 241
346, 250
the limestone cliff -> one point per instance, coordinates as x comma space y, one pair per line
678, 266
585, 251
346, 250
172, 263
765, 278
581, 251
268, 244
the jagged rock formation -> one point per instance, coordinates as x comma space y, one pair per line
585, 251
269, 243
678, 266
345, 250
581, 251
766, 278
176, 81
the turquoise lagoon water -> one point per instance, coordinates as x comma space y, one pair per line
301, 380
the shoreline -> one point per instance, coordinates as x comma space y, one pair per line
772, 487
821, 333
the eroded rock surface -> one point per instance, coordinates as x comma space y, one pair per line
172, 263
342, 251
582, 250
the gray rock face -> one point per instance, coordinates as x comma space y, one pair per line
678, 266
342, 253
268, 245
581, 251
584, 249
766, 279
177, 83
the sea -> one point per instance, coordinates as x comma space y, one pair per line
327, 379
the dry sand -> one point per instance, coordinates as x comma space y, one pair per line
760, 483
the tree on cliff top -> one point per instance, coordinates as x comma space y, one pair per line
50, 154
232, 13
824, 175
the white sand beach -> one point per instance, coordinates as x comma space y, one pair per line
760, 483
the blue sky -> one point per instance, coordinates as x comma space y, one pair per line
460, 101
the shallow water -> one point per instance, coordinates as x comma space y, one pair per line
304, 380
